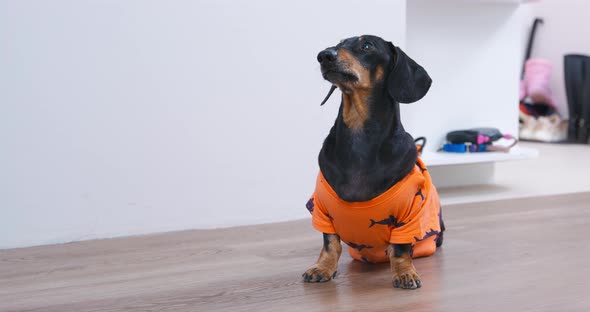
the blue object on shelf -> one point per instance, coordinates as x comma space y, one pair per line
464, 148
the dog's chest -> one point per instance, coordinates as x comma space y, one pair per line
356, 188
361, 167
361, 187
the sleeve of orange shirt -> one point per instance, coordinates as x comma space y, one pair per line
320, 218
413, 227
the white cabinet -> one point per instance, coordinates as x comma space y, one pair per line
473, 51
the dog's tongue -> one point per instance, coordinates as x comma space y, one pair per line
329, 93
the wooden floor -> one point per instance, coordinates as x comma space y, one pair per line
516, 255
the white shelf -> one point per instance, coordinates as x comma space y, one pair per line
496, 1
432, 159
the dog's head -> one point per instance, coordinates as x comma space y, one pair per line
358, 64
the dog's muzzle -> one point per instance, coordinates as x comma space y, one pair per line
327, 56
334, 71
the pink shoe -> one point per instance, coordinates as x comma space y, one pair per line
537, 73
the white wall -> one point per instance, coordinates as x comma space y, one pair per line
566, 30
128, 117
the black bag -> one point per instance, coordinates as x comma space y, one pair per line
474, 136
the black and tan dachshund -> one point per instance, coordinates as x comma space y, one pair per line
367, 157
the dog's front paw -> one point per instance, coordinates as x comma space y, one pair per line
318, 274
407, 279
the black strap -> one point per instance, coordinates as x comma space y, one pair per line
529, 47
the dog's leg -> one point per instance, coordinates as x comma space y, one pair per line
325, 268
402, 267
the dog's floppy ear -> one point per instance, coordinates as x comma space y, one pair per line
407, 82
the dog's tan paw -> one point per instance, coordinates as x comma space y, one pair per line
318, 274
407, 280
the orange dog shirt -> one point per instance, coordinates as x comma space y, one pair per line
409, 212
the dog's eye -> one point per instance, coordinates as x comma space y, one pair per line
367, 46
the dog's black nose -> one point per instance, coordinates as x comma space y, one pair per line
327, 56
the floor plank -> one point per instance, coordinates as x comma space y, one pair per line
512, 255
